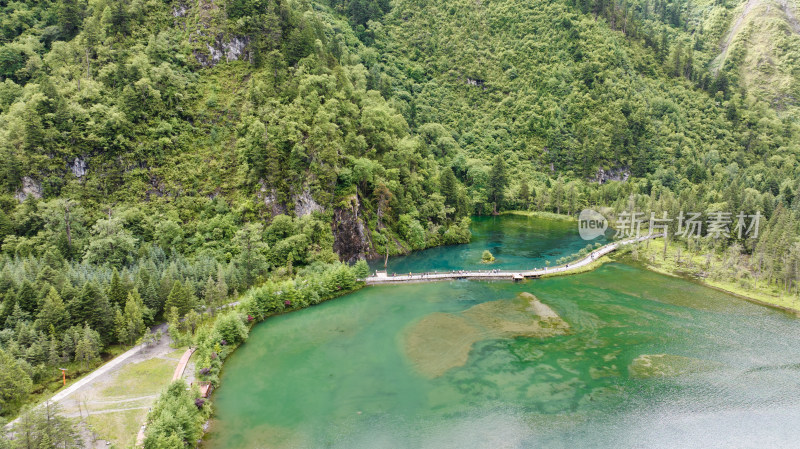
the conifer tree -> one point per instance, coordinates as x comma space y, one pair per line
27, 298
88, 347
53, 313
498, 179
14, 381
117, 292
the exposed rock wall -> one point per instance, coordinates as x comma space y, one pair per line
351, 238
270, 198
614, 174
79, 167
230, 48
304, 204
30, 187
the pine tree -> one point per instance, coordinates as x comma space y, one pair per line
251, 259
14, 381
182, 298
88, 348
53, 351
146, 286
17, 316
449, 188
9, 303
129, 325
6, 226
210, 293
498, 179
27, 298
361, 269
53, 313
92, 307
222, 285
70, 17
117, 292
524, 194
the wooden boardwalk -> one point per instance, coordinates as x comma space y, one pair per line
383, 278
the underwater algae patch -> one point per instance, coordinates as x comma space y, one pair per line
442, 341
666, 365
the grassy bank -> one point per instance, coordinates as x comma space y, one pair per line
584, 269
540, 214
707, 270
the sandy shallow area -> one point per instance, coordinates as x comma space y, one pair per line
442, 341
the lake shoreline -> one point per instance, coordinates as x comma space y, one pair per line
622, 257
700, 281
652, 259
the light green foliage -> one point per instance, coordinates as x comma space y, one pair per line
87, 349
361, 269
397, 120
53, 313
111, 243
129, 324
175, 420
317, 283
14, 381
42, 427
231, 328
182, 298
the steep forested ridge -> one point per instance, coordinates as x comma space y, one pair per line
160, 154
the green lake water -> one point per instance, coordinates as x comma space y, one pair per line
337, 376
517, 242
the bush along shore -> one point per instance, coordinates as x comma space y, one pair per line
179, 415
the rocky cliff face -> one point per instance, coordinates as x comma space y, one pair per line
30, 187
229, 49
79, 167
270, 198
304, 204
351, 238
613, 174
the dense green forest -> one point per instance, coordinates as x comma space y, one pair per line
160, 155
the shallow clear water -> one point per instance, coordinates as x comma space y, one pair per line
516, 242
337, 376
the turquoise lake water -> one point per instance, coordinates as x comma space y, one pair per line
339, 375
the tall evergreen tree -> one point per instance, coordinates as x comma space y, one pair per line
182, 298
14, 381
129, 324
27, 297
91, 307
498, 180
117, 291
53, 313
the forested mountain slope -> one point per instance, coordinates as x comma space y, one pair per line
563, 93
762, 50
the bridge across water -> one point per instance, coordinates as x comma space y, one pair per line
516, 275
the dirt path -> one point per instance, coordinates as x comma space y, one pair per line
180, 372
